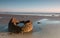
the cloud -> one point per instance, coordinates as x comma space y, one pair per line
31, 10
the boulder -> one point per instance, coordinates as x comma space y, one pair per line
13, 27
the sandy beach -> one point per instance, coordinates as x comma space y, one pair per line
49, 26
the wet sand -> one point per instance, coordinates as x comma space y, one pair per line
48, 28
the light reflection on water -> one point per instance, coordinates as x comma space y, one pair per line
36, 27
43, 23
52, 22
3, 28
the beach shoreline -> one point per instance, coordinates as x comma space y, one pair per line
46, 31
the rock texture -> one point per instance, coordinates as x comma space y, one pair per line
14, 28
27, 26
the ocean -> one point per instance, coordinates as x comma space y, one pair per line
32, 13
43, 26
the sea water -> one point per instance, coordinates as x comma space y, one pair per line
36, 27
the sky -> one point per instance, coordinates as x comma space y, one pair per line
29, 5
